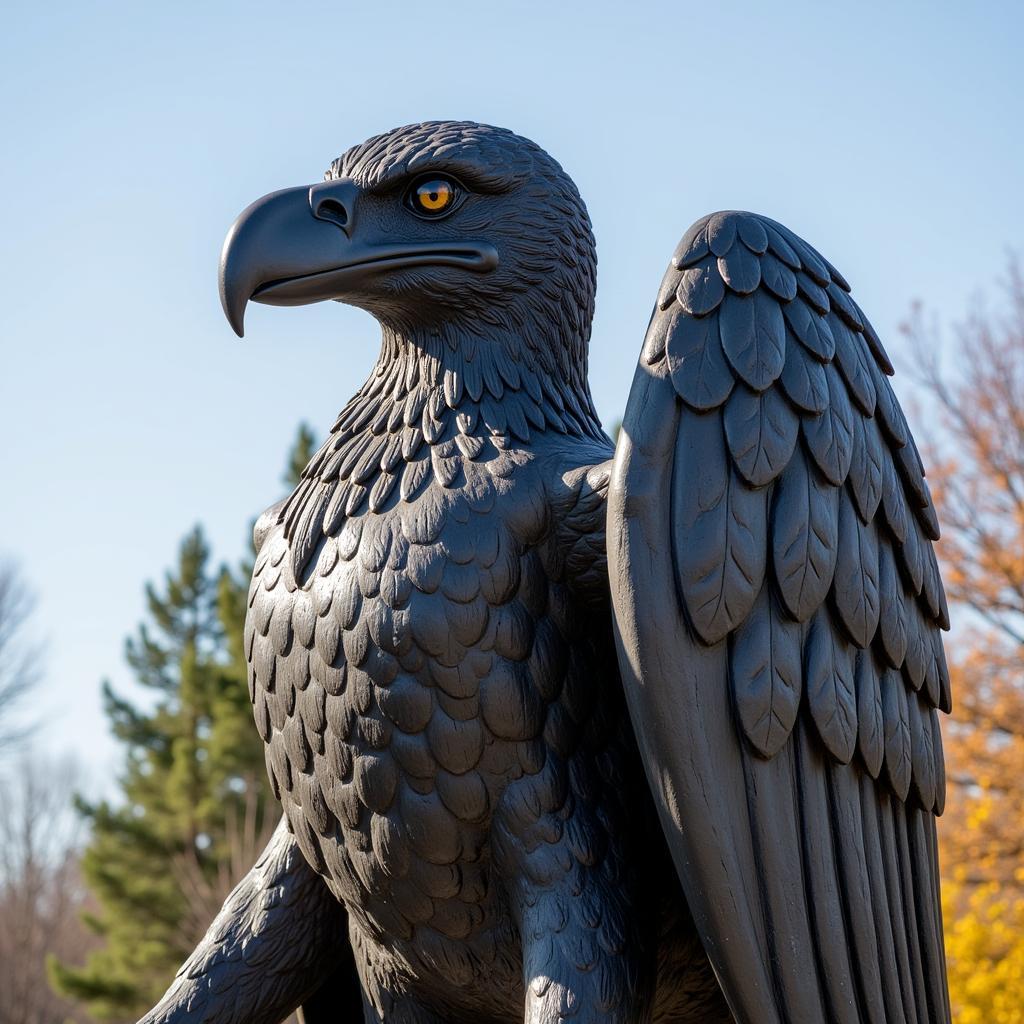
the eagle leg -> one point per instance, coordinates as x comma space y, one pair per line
280, 938
581, 959
573, 890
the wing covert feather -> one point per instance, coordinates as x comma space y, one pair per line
804, 537
870, 725
777, 607
718, 529
766, 674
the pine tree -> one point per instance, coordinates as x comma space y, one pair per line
195, 807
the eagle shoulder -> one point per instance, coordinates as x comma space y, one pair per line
265, 523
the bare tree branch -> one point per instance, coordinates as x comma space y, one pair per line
244, 841
19, 660
41, 893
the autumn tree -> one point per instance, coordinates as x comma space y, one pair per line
976, 430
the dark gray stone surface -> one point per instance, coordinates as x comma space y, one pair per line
692, 778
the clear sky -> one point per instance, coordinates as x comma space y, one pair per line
887, 134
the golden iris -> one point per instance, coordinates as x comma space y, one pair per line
434, 196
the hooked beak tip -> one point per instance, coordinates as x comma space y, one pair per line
235, 313
234, 296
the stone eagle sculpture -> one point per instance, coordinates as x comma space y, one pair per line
568, 731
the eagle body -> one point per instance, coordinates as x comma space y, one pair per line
444, 724
568, 731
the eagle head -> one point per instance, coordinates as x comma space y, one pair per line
442, 227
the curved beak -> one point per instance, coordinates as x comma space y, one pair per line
301, 245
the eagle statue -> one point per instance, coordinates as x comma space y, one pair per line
567, 730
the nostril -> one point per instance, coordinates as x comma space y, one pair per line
332, 210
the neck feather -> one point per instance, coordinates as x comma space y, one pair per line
432, 401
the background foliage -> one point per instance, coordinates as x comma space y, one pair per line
975, 422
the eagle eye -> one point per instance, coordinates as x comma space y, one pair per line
433, 197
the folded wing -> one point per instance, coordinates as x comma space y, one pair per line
778, 607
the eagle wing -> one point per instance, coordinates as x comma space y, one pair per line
778, 610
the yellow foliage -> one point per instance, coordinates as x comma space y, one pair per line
985, 954
981, 837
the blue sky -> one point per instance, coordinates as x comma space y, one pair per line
888, 135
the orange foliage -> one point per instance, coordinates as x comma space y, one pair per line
978, 478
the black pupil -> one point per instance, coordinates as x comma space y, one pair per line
434, 196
